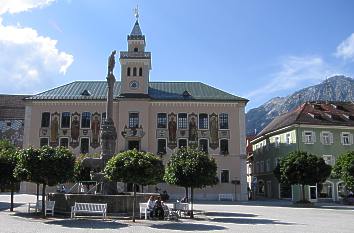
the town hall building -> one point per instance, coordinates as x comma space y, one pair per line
157, 117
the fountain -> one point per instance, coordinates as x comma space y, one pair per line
106, 191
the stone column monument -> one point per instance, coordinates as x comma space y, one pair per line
108, 132
108, 137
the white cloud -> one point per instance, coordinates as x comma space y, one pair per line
345, 49
294, 72
17, 6
29, 62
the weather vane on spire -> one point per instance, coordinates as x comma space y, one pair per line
136, 12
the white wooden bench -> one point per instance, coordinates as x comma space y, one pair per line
49, 207
144, 210
89, 208
226, 196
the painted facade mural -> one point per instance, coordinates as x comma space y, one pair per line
12, 130
95, 129
193, 129
214, 131
54, 129
75, 130
172, 131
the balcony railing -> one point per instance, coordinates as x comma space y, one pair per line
135, 54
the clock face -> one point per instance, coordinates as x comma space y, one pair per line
133, 84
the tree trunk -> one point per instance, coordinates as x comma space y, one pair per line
192, 197
134, 188
37, 192
187, 193
12, 197
303, 193
43, 199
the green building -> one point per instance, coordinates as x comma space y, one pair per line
322, 128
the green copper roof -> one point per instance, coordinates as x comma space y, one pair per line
97, 90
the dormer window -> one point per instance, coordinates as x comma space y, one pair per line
128, 71
85, 93
136, 50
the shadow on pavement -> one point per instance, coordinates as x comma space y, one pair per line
249, 221
227, 214
87, 223
183, 226
6, 205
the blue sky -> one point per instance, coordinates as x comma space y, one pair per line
254, 49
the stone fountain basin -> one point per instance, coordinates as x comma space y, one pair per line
116, 204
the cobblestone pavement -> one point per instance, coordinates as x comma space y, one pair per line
262, 216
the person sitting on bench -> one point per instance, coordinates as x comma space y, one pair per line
158, 209
150, 206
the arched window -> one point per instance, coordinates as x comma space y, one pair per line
140, 71
128, 71
134, 71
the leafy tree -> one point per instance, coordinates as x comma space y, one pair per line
46, 166
302, 168
344, 169
8, 161
189, 167
138, 168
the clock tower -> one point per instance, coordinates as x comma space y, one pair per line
135, 64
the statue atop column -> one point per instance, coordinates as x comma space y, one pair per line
108, 136
111, 62
108, 133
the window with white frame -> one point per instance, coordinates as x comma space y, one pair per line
224, 120
276, 141
224, 146
308, 137
225, 176
346, 138
161, 120
203, 121
65, 120
133, 120
161, 146
326, 137
182, 142
86, 120
262, 166
84, 145
288, 138
203, 145
182, 121
328, 159
43, 142
64, 142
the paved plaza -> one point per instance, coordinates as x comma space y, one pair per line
261, 216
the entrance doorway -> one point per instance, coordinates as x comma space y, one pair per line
313, 193
134, 145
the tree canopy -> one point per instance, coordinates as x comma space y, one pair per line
302, 168
344, 169
46, 165
190, 167
135, 167
8, 161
